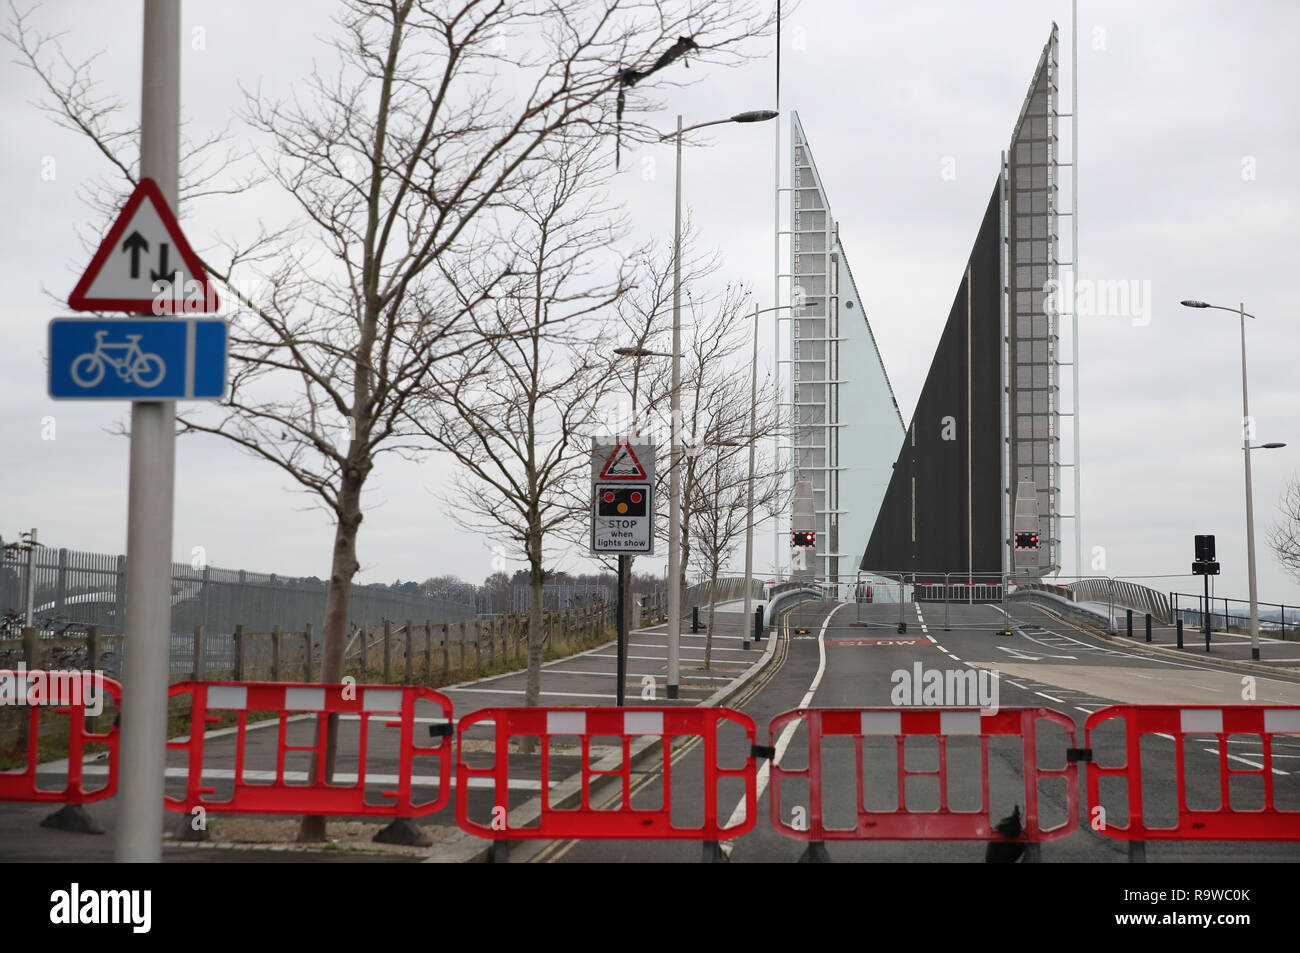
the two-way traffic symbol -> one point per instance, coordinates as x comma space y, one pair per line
135, 244
121, 276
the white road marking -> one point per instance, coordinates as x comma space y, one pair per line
1016, 653
783, 741
1050, 698
640, 675
1143, 657
512, 691
1236, 757
652, 645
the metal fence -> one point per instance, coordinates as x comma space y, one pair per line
76, 589
885, 587
1277, 620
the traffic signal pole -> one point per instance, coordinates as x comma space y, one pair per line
150, 496
622, 631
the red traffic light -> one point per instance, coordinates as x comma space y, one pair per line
1026, 540
803, 537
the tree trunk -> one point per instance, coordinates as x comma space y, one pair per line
536, 632
686, 556
708, 631
345, 566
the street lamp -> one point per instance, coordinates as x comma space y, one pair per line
639, 352
674, 486
1245, 448
753, 425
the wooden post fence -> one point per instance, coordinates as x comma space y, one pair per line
275, 653
388, 652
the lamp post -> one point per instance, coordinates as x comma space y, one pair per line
753, 425
674, 485
1245, 452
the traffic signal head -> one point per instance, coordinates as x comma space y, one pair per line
1205, 549
803, 537
1026, 540
621, 500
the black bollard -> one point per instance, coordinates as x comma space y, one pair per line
758, 624
1128, 615
1180, 632
695, 618
1148, 626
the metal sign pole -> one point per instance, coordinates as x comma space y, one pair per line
150, 497
622, 631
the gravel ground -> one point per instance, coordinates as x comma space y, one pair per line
352, 836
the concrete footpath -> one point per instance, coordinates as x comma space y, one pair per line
585, 679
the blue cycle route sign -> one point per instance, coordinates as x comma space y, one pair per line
145, 359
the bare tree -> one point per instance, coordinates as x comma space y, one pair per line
639, 401
720, 498
513, 414
715, 400
434, 120
1284, 536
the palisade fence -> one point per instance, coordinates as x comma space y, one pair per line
258, 626
77, 590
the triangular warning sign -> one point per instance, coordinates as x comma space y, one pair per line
623, 464
145, 264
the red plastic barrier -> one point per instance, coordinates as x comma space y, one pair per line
1178, 722
316, 796
621, 821
902, 823
72, 688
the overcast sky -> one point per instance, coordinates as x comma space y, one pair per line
1188, 159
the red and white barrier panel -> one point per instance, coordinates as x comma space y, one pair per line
1258, 725
617, 819
77, 695
315, 795
905, 822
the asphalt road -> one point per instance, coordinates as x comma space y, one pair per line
829, 655
1045, 663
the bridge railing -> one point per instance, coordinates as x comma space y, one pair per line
1122, 593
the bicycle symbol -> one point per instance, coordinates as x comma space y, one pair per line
143, 368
